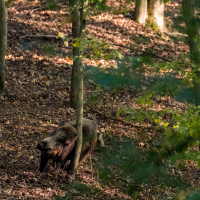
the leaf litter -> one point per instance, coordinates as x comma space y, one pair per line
35, 81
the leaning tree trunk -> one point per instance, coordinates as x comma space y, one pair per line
156, 13
141, 11
191, 22
3, 43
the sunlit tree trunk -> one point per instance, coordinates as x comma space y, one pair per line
156, 13
191, 22
141, 11
3, 44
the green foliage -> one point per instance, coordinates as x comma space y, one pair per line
186, 128
193, 195
100, 49
152, 25
130, 168
127, 73
77, 189
64, 38
49, 49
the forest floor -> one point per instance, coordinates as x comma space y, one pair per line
38, 85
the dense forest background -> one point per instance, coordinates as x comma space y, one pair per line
140, 84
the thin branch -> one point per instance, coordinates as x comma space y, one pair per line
154, 55
42, 36
120, 120
37, 9
181, 34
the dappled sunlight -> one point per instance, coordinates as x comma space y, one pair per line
127, 65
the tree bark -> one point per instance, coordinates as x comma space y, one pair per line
76, 25
191, 21
3, 44
141, 11
76, 99
156, 13
79, 119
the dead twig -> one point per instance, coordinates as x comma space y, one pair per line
37, 9
50, 92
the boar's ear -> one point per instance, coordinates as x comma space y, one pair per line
62, 123
41, 145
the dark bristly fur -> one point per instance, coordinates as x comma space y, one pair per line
60, 144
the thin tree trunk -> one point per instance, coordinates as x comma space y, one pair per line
156, 13
75, 16
82, 20
3, 44
79, 119
78, 26
191, 22
141, 11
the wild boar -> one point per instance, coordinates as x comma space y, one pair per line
60, 144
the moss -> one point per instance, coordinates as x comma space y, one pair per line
150, 23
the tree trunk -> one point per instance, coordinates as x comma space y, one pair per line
82, 20
76, 98
191, 21
192, 26
141, 11
76, 25
156, 13
79, 119
3, 44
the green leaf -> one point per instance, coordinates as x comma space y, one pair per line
128, 118
148, 102
66, 43
107, 56
118, 112
90, 36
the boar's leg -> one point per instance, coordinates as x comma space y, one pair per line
86, 152
57, 165
43, 162
65, 156
84, 155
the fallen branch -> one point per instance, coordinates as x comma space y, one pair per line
181, 34
120, 120
42, 36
